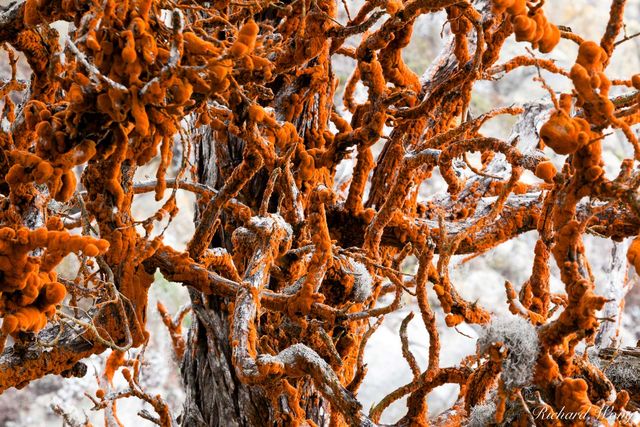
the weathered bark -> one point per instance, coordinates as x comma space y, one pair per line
21, 365
215, 396
616, 287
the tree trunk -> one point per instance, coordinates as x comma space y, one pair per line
214, 394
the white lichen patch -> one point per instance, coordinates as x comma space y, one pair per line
520, 338
482, 414
362, 281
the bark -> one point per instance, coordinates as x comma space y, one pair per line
215, 396
23, 364
616, 287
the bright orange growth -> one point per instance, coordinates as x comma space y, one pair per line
529, 26
546, 171
30, 291
564, 134
115, 360
31, 12
393, 6
572, 395
197, 46
633, 253
293, 247
246, 40
175, 329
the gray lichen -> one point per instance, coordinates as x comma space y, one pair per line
521, 340
482, 414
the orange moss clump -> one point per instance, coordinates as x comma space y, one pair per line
30, 290
546, 171
115, 360
633, 253
246, 41
31, 12
571, 395
529, 26
565, 134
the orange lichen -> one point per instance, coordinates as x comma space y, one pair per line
633, 253
588, 77
564, 134
25, 319
453, 320
546, 171
546, 369
592, 89
31, 12
244, 96
30, 290
115, 360
571, 395
175, 329
246, 40
531, 26
197, 46
129, 49
139, 115
393, 6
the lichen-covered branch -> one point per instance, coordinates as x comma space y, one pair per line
302, 224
